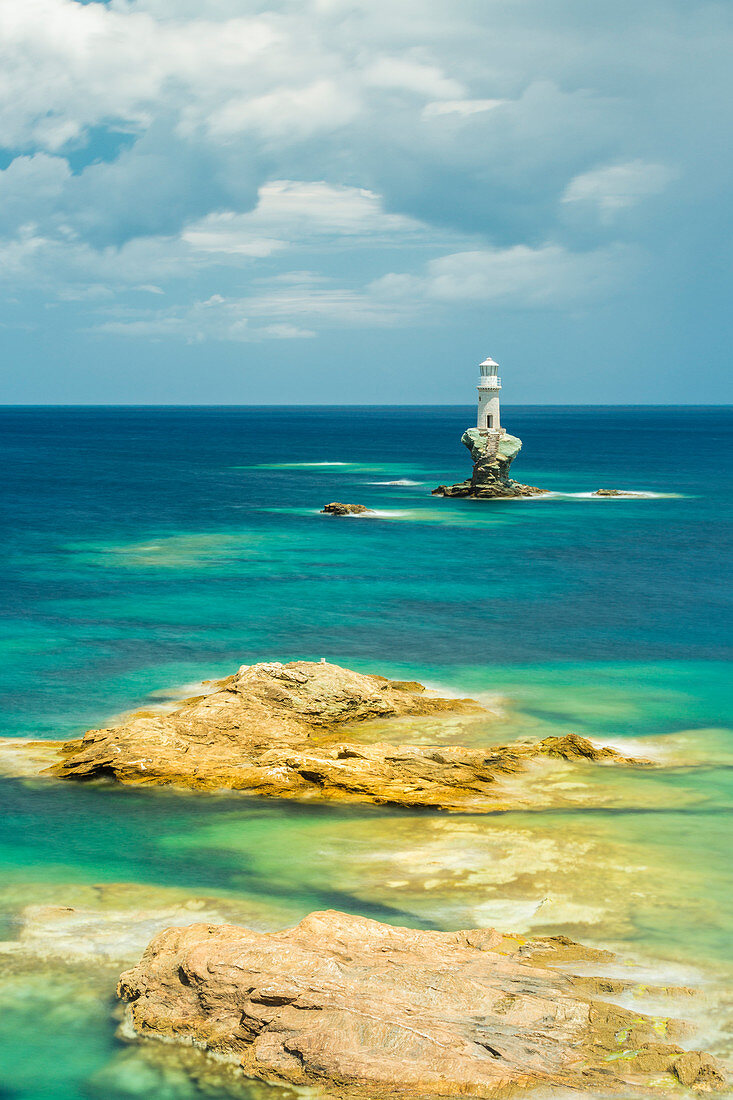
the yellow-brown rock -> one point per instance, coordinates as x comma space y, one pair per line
361, 1009
269, 730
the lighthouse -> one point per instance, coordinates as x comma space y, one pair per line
489, 387
492, 448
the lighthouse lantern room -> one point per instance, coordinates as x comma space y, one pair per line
489, 387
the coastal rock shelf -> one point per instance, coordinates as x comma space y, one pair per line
358, 1008
492, 459
269, 730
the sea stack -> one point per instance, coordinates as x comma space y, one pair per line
492, 448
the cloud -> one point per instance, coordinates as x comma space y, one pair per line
297, 305
68, 66
289, 215
481, 122
230, 234
410, 75
462, 107
616, 187
299, 211
30, 188
518, 277
275, 169
288, 113
281, 312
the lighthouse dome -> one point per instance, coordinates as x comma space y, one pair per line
489, 367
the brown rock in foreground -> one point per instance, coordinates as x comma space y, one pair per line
363, 1009
269, 730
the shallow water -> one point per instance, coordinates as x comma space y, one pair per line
149, 548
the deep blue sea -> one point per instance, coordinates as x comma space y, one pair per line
145, 549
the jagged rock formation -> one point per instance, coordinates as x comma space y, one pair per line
362, 1009
269, 730
336, 508
491, 462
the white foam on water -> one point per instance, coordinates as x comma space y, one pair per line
181, 691
627, 494
372, 513
632, 746
305, 465
292, 465
443, 691
635, 968
546, 495
379, 513
400, 481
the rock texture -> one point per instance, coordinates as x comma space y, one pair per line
336, 508
270, 730
614, 493
363, 1009
491, 464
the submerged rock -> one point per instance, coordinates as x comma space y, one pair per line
492, 456
614, 493
269, 730
22, 757
112, 922
336, 508
358, 1008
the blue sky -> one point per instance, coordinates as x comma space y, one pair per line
315, 201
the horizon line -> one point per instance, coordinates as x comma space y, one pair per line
352, 405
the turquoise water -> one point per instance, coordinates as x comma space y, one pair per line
146, 549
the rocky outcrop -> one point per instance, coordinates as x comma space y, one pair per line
336, 508
614, 493
357, 1008
270, 730
491, 462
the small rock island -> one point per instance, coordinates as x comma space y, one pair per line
336, 508
492, 448
292, 731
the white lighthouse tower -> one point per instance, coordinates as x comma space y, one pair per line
489, 387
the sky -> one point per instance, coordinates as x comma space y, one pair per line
355, 201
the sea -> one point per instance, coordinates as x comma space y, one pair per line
147, 549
